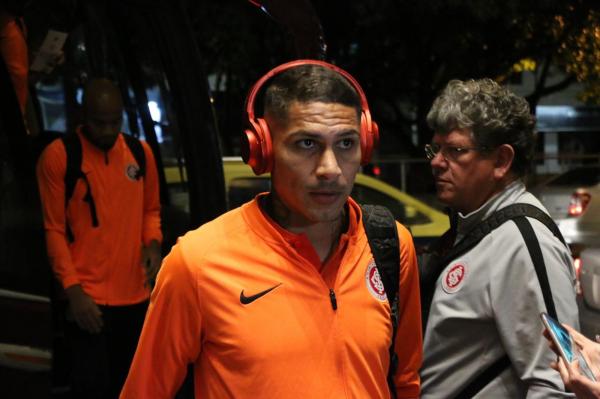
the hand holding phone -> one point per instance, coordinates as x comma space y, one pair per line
567, 349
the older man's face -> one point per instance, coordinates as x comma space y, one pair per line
464, 176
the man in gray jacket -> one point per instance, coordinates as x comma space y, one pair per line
483, 331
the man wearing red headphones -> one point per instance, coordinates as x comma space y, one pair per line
281, 297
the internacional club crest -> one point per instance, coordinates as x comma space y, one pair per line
132, 171
374, 282
452, 280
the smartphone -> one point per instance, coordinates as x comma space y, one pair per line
567, 349
49, 51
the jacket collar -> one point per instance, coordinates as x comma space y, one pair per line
264, 226
507, 196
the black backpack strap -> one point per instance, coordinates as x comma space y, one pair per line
482, 380
519, 213
533, 246
73, 172
382, 234
536, 213
475, 235
74, 158
137, 150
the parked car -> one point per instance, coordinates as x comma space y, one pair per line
424, 221
572, 199
589, 282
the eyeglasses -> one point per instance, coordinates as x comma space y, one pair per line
449, 152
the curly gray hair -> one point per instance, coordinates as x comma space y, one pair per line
492, 113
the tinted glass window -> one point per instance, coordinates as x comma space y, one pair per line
242, 190
23, 260
578, 177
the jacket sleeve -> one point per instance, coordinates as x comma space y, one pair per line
151, 219
409, 339
50, 171
517, 301
172, 333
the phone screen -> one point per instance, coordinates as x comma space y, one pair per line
563, 337
564, 342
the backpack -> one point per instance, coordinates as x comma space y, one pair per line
440, 258
382, 235
72, 144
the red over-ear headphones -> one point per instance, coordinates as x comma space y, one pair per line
257, 148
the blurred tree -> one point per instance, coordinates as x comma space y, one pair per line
580, 57
406, 51
574, 52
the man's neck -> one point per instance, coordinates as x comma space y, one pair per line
324, 236
497, 189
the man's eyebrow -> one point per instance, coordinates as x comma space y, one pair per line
311, 134
452, 144
348, 132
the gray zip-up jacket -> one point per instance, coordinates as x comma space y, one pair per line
487, 303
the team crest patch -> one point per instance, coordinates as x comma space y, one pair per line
452, 280
374, 282
132, 171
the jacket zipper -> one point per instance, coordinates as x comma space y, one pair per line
333, 299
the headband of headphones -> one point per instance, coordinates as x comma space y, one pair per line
289, 65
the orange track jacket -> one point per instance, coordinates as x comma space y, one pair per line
212, 307
105, 260
13, 48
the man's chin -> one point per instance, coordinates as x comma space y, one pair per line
104, 143
331, 214
445, 198
105, 146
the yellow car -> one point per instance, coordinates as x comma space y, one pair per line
424, 222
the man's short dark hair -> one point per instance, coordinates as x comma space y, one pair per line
493, 113
305, 84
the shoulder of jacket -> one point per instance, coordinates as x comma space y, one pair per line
220, 231
145, 145
55, 152
403, 232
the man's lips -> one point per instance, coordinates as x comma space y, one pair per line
441, 183
325, 197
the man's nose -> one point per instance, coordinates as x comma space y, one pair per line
438, 161
328, 167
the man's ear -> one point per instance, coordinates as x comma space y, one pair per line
505, 155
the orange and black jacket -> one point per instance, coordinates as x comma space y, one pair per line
249, 304
105, 259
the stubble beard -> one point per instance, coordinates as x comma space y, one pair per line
284, 215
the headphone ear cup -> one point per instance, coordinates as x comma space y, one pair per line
257, 148
250, 147
375, 135
266, 146
366, 143
254, 146
369, 138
